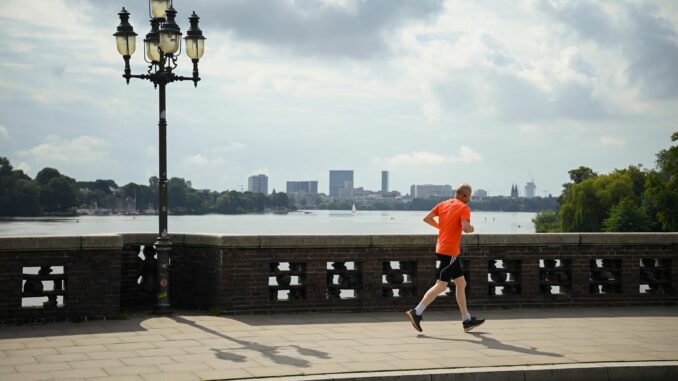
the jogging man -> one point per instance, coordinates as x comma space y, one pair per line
454, 216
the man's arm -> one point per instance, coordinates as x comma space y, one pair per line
466, 226
430, 220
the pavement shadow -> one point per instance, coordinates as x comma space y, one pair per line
271, 352
443, 313
492, 343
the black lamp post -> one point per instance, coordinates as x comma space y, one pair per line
160, 46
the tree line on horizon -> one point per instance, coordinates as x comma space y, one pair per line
53, 193
634, 199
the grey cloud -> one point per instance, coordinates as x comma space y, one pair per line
648, 41
586, 18
497, 54
515, 99
652, 50
305, 26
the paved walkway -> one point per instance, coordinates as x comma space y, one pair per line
186, 346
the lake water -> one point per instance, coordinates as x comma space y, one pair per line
314, 222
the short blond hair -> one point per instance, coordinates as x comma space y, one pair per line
464, 188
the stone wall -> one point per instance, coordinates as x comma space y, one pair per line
95, 277
58, 278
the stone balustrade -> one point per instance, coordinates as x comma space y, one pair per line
99, 277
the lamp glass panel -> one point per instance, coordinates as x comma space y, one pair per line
195, 48
152, 52
158, 8
126, 44
169, 42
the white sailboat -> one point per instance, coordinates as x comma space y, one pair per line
353, 209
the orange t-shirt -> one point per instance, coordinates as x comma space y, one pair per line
450, 215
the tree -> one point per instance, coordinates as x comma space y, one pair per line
585, 205
627, 216
59, 195
580, 174
176, 193
45, 175
661, 198
546, 222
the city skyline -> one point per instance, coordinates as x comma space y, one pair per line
290, 89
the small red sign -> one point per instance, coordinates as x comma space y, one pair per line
163, 282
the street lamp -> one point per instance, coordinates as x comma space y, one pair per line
160, 45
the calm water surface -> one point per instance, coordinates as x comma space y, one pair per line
316, 222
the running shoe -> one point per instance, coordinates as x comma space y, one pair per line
414, 319
471, 323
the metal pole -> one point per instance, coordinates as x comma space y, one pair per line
163, 245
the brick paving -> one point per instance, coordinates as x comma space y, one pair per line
189, 346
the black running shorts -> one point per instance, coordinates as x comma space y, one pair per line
449, 268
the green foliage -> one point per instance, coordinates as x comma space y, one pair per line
45, 175
661, 198
631, 199
54, 193
585, 205
19, 195
59, 194
580, 174
546, 222
627, 216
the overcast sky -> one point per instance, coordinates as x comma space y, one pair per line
488, 92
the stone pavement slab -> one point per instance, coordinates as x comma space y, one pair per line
190, 346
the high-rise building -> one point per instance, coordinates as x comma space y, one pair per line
429, 190
384, 181
530, 189
341, 184
258, 184
480, 193
302, 187
303, 193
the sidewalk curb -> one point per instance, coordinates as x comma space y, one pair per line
608, 371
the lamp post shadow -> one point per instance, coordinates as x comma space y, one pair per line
269, 351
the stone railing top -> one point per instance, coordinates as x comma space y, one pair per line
113, 241
85, 242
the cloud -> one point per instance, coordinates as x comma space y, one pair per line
609, 141
228, 147
4, 134
200, 160
80, 149
646, 38
465, 155
24, 167
351, 28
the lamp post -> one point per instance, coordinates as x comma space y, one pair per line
160, 50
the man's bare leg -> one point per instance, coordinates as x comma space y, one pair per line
415, 313
460, 294
433, 293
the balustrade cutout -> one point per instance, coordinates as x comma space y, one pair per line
398, 279
655, 276
605, 276
43, 287
287, 281
344, 280
555, 276
503, 277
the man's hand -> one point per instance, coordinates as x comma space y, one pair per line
467, 227
430, 220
